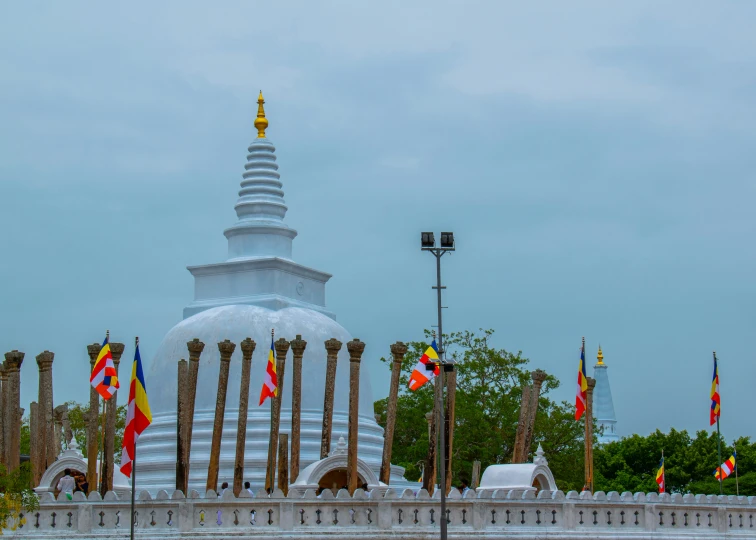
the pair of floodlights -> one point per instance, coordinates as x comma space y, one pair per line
428, 241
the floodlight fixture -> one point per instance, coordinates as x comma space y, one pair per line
427, 240
447, 240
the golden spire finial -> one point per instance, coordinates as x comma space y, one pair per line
600, 357
261, 123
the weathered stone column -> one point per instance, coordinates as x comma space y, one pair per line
34, 454
589, 434
226, 349
195, 350
355, 348
13, 361
247, 347
522, 425
298, 346
429, 478
449, 419
398, 350
4, 408
111, 411
46, 426
333, 346
475, 480
283, 463
181, 380
282, 348
538, 377
93, 423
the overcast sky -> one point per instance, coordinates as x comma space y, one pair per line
595, 161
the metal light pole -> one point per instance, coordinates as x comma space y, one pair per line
428, 243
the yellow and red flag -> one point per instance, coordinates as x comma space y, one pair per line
582, 386
138, 416
660, 476
104, 378
270, 385
714, 413
421, 375
726, 468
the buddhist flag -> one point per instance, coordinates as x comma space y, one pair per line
582, 386
138, 416
725, 470
421, 375
660, 476
270, 386
715, 402
104, 378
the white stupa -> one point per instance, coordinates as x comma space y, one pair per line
258, 288
603, 405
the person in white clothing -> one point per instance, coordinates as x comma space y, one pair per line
66, 484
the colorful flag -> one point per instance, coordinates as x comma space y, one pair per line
715, 402
726, 468
582, 386
660, 476
421, 375
270, 386
104, 378
138, 416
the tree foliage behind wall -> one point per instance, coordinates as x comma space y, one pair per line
489, 383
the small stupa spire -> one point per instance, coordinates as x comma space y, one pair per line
261, 123
600, 357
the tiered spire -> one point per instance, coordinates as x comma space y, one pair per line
603, 404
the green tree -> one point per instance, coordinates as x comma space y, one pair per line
77, 416
15, 496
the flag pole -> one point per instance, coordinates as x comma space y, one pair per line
664, 473
133, 470
719, 438
735, 453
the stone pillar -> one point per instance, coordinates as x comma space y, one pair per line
34, 454
195, 350
111, 411
93, 423
247, 347
589, 434
46, 426
538, 377
355, 348
283, 463
3, 413
181, 380
429, 478
522, 425
449, 419
282, 348
398, 350
333, 346
298, 346
475, 480
226, 349
13, 361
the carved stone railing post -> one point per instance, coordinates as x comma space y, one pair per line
355, 348
398, 350
247, 347
282, 348
298, 346
449, 421
195, 348
4, 389
589, 434
333, 346
181, 380
226, 349
111, 411
13, 361
46, 426
538, 377
93, 423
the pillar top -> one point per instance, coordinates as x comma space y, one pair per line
3, 371
182, 360
298, 345
333, 345
282, 347
355, 348
93, 351
13, 360
539, 376
45, 360
248, 347
117, 350
195, 346
398, 349
591, 383
226, 349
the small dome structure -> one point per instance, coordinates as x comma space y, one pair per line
519, 477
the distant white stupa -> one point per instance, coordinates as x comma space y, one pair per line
603, 405
258, 288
